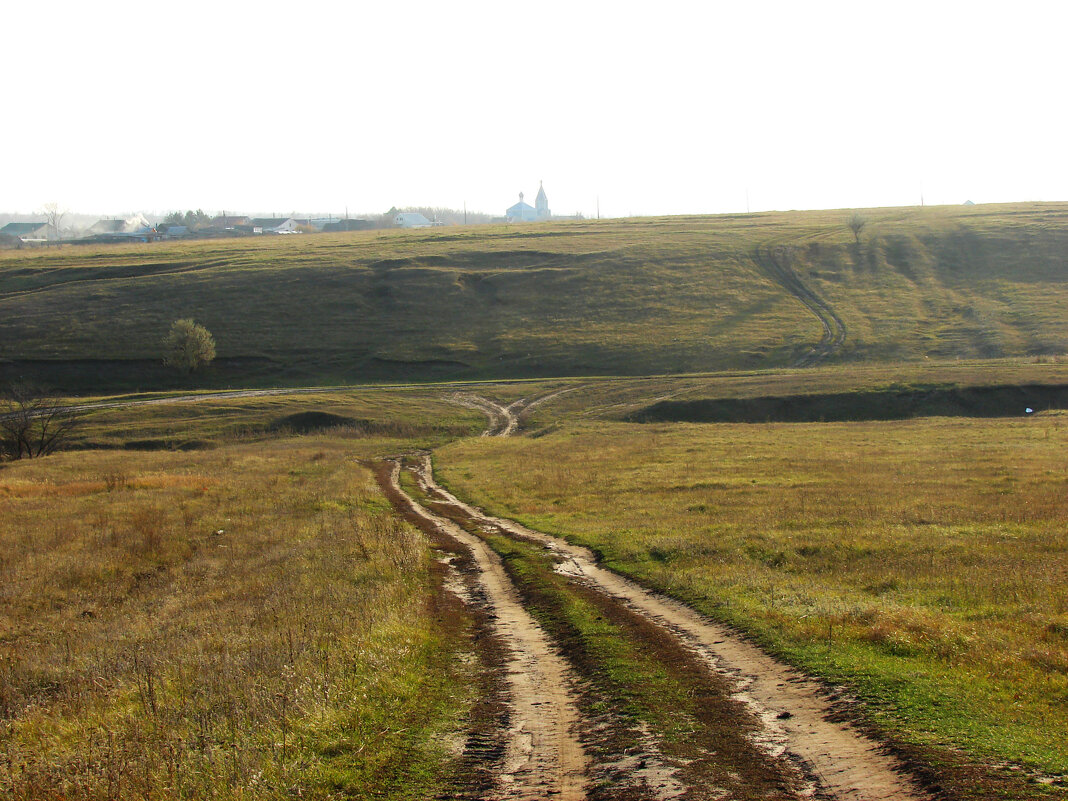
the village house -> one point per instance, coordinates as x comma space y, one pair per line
136, 228
274, 225
224, 222
137, 225
411, 219
29, 232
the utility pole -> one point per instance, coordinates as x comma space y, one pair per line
598, 207
465, 212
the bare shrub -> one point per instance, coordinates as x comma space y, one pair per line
33, 424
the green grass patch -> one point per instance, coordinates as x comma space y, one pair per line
921, 562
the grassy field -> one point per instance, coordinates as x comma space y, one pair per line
632, 296
155, 637
922, 563
623, 398
409, 417
249, 622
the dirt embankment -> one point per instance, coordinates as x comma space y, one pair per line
889, 404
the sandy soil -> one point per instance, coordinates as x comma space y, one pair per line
543, 755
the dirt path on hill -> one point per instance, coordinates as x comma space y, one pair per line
797, 716
503, 420
502, 423
542, 757
775, 261
261, 393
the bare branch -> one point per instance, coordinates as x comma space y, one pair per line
33, 424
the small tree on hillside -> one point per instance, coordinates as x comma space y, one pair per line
32, 424
856, 225
188, 346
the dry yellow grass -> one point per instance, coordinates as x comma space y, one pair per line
250, 622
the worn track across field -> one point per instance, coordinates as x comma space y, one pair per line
543, 756
794, 716
775, 261
503, 420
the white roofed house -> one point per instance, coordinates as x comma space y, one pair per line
275, 225
411, 219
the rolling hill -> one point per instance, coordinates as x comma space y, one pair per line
625, 297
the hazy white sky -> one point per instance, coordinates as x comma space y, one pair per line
655, 107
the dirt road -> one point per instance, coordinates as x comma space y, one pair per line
793, 719
796, 713
543, 756
503, 420
260, 393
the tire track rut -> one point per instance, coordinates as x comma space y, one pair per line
503, 420
796, 716
543, 756
796, 713
775, 261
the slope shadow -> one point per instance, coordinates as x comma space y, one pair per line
889, 404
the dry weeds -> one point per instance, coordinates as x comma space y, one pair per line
244, 623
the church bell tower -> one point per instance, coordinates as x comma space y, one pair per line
541, 204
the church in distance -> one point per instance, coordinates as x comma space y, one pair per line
524, 212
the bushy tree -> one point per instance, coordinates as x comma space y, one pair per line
188, 346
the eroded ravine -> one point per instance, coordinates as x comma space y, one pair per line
543, 757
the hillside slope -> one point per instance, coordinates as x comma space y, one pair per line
633, 296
